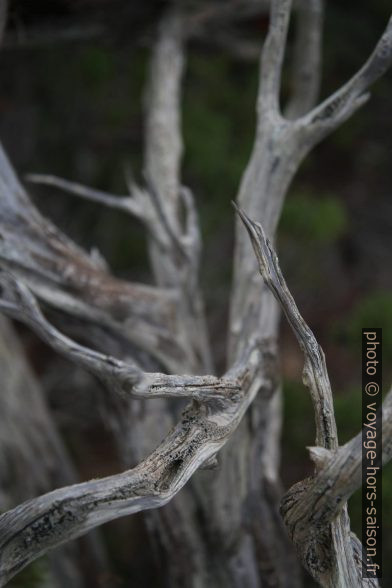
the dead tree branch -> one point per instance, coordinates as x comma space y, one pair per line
124, 203
315, 510
62, 275
45, 522
126, 379
315, 375
167, 322
33, 458
306, 67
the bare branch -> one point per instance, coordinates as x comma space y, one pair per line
126, 379
201, 388
279, 148
341, 474
345, 101
315, 375
315, 510
176, 262
166, 231
43, 523
146, 205
306, 69
123, 203
68, 279
163, 149
33, 458
272, 57
163, 145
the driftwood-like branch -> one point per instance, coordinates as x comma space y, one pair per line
123, 203
143, 204
163, 148
315, 373
174, 244
168, 323
306, 68
280, 145
344, 102
33, 458
68, 279
338, 478
41, 524
315, 511
126, 379
163, 152
272, 58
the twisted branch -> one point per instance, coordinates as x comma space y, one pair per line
315, 375
43, 523
315, 510
124, 378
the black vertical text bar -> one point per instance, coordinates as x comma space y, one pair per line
371, 453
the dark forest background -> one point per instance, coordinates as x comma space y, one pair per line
71, 91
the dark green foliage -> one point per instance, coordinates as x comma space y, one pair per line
314, 218
373, 310
36, 575
96, 66
219, 117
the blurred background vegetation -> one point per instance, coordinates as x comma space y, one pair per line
71, 105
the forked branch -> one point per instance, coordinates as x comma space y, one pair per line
43, 523
123, 203
346, 100
123, 378
165, 207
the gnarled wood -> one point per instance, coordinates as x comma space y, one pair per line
315, 510
164, 327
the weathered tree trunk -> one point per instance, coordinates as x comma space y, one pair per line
224, 529
33, 459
